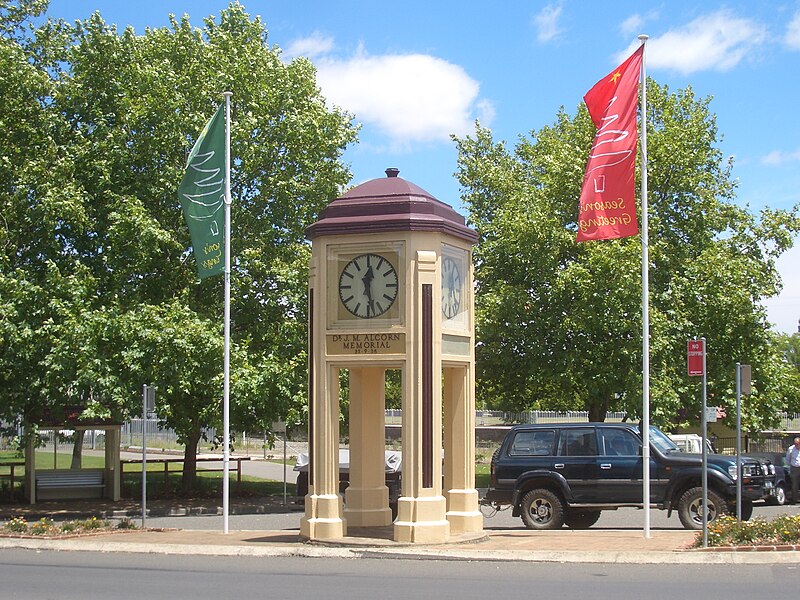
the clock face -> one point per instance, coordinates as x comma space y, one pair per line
368, 286
451, 288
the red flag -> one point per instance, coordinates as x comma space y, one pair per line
607, 203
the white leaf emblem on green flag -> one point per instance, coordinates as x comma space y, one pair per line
202, 196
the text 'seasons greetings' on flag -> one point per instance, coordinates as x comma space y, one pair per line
202, 196
607, 203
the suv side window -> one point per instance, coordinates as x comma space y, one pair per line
578, 442
619, 442
533, 443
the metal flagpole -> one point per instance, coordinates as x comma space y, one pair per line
738, 441
645, 309
227, 351
144, 456
703, 431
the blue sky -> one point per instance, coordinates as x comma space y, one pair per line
415, 72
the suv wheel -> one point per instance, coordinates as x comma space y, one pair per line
581, 519
542, 509
690, 507
779, 496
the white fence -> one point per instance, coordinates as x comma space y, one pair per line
131, 434
161, 437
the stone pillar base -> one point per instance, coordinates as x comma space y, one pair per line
465, 522
464, 514
367, 507
322, 519
421, 520
377, 517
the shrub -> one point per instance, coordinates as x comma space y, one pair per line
126, 523
43, 526
17, 525
46, 526
727, 531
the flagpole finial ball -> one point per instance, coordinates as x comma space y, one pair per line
644, 37
392, 172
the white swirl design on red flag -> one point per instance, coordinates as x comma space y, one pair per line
611, 136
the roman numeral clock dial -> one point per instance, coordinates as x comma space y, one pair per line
368, 286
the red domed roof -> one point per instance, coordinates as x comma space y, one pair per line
389, 204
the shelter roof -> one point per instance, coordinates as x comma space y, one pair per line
389, 204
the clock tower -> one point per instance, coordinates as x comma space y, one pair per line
390, 287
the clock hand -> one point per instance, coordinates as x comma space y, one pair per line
452, 281
367, 281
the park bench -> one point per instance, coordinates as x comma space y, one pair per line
67, 484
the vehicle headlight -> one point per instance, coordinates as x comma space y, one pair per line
733, 472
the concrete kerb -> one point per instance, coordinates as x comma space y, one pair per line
244, 544
311, 551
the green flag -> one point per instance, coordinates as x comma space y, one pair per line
202, 196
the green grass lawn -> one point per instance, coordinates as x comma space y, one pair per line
159, 483
168, 485
481, 476
209, 484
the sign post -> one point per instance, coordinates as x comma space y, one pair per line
696, 362
148, 405
742, 387
280, 427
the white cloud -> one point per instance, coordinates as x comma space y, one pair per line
408, 97
312, 46
792, 37
546, 23
715, 41
632, 24
778, 157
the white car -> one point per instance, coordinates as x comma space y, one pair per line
690, 443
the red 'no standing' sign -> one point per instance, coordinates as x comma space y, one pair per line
695, 353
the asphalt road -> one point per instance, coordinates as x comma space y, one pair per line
31, 575
624, 518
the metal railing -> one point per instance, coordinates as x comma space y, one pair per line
162, 437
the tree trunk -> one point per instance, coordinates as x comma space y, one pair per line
597, 412
77, 448
189, 478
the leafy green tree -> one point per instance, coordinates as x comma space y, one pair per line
787, 349
99, 288
559, 324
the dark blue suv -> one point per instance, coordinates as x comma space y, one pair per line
567, 473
